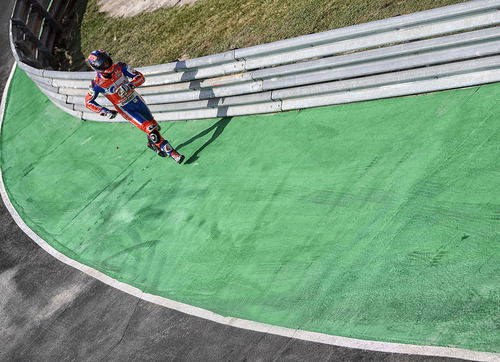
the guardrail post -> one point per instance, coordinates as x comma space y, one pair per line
49, 19
26, 55
30, 36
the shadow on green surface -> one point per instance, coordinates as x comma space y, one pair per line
218, 127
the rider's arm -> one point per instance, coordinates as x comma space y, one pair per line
90, 101
136, 77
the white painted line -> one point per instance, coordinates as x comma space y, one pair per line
236, 322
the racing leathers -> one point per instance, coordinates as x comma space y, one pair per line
118, 87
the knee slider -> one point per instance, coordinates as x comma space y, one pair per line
152, 127
154, 136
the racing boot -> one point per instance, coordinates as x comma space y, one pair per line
156, 149
165, 150
177, 157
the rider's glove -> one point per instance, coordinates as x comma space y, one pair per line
108, 113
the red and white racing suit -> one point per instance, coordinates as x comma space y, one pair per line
119, 89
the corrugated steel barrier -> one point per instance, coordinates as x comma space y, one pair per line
445, 48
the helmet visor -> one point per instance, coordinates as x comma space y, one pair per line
100, 61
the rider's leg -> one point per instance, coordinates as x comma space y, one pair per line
138, 114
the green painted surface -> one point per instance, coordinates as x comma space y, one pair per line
377, 220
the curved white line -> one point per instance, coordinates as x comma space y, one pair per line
236, 322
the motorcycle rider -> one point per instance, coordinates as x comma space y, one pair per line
118, 82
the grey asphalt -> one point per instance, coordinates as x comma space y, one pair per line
52, 312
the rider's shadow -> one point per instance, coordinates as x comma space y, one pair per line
218, 127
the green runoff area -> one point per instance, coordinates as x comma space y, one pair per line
377, 220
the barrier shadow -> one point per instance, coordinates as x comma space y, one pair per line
217, 127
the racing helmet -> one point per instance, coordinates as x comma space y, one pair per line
100, 61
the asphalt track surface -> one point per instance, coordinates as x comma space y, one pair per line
50, 311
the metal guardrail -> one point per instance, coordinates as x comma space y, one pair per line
444, 48
35, 26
